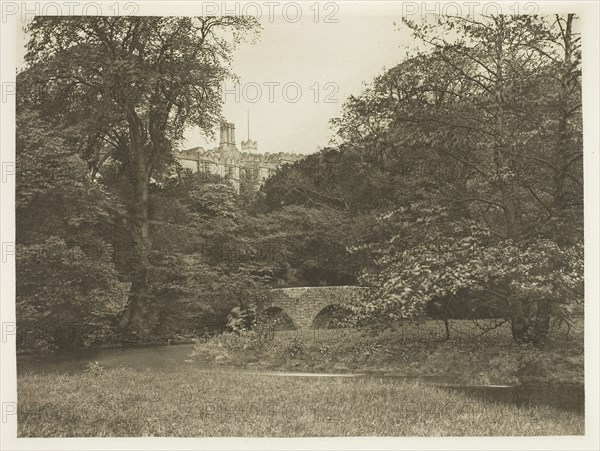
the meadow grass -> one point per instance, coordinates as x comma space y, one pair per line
488, 359
190, 402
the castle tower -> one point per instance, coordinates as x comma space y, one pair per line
227, 134
249, 146
227, 161
227, 147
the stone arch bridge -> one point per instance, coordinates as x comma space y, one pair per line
303, 304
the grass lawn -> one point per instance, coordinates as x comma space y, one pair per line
189, 402
492, 358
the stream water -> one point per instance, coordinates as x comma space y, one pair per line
171, 358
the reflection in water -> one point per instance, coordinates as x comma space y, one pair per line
146, 357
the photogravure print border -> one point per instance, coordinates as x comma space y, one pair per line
6, 95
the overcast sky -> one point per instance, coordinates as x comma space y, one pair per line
328, 58
327, 61
296, 77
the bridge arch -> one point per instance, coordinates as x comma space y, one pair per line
330, 317
304, 304
278, 318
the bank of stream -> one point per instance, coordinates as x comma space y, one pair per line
173, 357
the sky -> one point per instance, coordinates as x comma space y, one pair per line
316, 66
296, 77
298, 74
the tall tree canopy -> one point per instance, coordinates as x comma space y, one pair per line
68, 289
486, 129
129, 87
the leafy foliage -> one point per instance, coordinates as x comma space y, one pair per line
66, 276
486, 129
456, 177
130, 86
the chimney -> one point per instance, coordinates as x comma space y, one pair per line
227, 134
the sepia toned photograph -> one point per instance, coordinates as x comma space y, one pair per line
300, 220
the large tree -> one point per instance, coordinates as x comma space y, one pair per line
130, 86
68, 289
485, 126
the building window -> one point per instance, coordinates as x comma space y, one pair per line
204, 166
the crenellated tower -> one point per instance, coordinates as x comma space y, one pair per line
249, 146
227, 161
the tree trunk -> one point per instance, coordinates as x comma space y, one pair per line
505, 181
563, 147
520, 330
136, 319
447, 328
519, 324
541, 328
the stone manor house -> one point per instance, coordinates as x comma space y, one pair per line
228, 162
